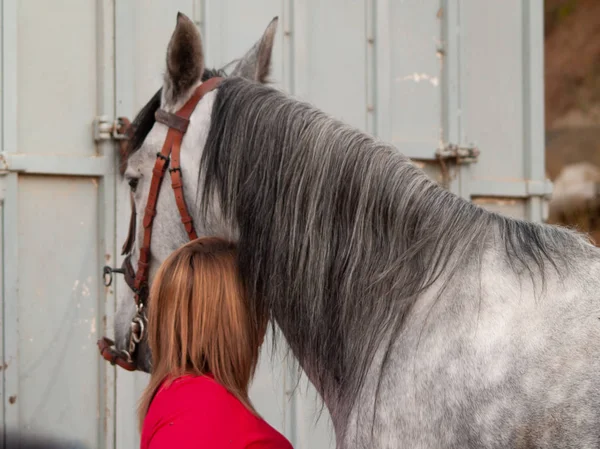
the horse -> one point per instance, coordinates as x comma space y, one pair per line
422, 319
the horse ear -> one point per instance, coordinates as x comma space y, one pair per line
256, 64
185, 59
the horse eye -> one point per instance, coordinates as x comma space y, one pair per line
133, 182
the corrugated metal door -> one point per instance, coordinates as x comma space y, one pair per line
502, 105
466, 74
423, 74
57, 197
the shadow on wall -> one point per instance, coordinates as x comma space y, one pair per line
37, 442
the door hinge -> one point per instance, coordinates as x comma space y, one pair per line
4, 168
106, 129
460, 155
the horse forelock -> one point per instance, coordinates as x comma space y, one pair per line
339, 233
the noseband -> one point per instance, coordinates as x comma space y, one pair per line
138, 280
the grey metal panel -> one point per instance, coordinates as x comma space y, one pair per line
57, 308
54, 228
501, 103
53, 164
329, 47
492, 82
231, 27
268, 389
10, 375
2, 58
456, 178
533, 85
9, 75
57, 71
450, 56
313, 427
105, 238
2, 263
10, 258
416, 78
152, 26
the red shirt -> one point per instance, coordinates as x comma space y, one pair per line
197, 412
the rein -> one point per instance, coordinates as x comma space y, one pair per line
137, 281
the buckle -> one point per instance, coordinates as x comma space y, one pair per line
159, 155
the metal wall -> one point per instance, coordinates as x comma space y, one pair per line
427, 75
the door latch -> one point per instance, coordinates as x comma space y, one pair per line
105, 129
460, 155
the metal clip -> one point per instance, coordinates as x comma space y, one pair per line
107, 274
137, 329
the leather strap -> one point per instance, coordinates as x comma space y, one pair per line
172, 145
138, 281
128, 245
158, 173
128, 272
177, 184
110, 354
171, 120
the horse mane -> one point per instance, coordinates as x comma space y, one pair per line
339, 233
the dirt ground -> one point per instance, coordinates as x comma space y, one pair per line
572, 91
572, 63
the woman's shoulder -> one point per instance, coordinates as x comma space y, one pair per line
195, 400
261, 435
267, 438
226, 408
213, 410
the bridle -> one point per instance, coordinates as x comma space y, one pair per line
137, 281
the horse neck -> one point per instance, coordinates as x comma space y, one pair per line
338, 233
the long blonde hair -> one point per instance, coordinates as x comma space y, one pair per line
199, 322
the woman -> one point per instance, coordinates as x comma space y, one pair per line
205, 347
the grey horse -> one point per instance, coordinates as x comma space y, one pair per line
423, 320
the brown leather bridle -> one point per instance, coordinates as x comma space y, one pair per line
138, 281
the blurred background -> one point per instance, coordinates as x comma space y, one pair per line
499, 101
572, 93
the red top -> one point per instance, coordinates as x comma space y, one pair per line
197, 412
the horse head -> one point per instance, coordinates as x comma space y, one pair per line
185, 73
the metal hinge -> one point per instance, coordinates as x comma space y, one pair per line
106, 129
4, 168
461, 155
